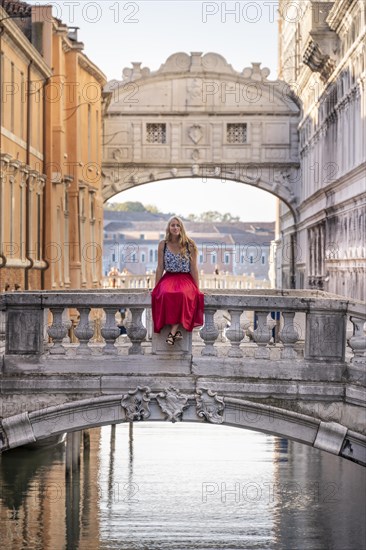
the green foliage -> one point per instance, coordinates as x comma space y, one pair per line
129, 206
213, 216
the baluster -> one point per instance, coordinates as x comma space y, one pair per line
57, 331
262, 336
245, 324
209, 332
288, 335
136, 331
84, 331
235, 333
110, 331
358, 342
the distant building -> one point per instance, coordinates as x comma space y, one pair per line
131, 242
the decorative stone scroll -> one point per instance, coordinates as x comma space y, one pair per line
210, 406
136, 403
172, 403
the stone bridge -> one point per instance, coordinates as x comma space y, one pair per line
289, 363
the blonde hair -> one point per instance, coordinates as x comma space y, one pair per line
183, 238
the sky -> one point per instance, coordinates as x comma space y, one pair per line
115, 33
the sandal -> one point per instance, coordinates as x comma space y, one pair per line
178, 335
170, 339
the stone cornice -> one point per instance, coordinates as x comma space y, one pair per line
86, 64
23, 43
344, 180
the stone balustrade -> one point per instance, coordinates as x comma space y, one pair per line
311, 325
297, 358
209, 281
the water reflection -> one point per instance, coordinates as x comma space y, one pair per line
181, 487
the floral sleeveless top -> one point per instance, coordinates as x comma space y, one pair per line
175, 263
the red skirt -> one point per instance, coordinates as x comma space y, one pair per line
176, 299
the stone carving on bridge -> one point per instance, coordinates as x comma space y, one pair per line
281, 181
194, 91
195, 133
136, 403
210, 406
111, 178
172, 403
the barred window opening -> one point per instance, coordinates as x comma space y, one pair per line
156, 133
236, 133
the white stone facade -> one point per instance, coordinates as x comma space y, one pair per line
323, 56
198, 117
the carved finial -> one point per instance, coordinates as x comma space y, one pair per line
136, 72
256, 73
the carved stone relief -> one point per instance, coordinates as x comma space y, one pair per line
195, 133
136, 403
172, 403
210, 406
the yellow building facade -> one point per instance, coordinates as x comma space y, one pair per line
51, 130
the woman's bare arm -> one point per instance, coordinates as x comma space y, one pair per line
194, 268
160, 268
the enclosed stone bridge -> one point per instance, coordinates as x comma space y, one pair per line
197, 117
289, 363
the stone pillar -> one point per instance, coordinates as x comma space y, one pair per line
325, 336
24, 330
181, 347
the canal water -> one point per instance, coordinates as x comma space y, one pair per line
182, 487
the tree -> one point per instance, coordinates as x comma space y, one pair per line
129, 206
213, 216
153, 209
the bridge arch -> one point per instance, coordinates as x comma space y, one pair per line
204, 406
197, 117
233, 176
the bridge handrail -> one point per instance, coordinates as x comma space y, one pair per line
325, 329
256, 300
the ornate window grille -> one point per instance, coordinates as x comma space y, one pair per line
236, 133
156, 133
